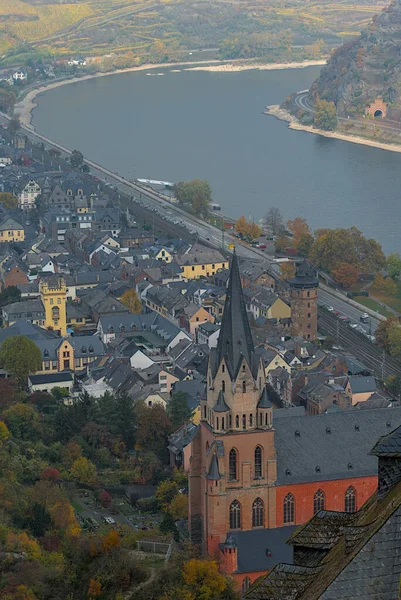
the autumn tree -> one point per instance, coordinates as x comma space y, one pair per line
23, 421
4, 432
393, 265
305, 244
83, 471
325, 115
249, 230
393, 384
298, 227
165, 493
7, 393
8, 200
203, 579
178, 409
388, 336
241, 225
274, 221
179, 507
385, 285
345, 274
94, 589
50, 474
154, 426
287, 270
131, 299
20, 357
105, 499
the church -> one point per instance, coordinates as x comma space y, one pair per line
257, 472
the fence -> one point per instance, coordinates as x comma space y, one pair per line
155, 548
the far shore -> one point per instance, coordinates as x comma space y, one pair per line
293, 123
25, 107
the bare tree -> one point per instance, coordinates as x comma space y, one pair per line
274, 221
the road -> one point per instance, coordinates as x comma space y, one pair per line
346, 309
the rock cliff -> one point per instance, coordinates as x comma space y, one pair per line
364, 75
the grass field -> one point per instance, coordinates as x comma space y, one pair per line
373, 305
253, 27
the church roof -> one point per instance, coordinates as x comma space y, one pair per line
235, 339
389, 445
220, 405
214, 472
264, 401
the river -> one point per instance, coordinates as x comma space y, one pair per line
189, 124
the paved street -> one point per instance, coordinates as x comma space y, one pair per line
346, 309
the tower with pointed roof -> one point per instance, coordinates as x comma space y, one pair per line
233, 465
304, 291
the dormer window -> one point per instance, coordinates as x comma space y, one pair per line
83, 350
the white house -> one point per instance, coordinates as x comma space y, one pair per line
28, 195
5, 160
20, 76
78, 62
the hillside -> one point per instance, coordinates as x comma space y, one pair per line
169, 29
366, 69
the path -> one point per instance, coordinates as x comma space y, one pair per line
131, 595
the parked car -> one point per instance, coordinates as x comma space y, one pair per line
364, 318
344, 318
261, 246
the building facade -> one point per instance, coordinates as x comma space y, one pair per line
53, 294
304, 292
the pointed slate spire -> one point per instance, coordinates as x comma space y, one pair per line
214, 472
235, 339
264, 401
221, 405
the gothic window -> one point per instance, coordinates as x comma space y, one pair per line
260, 419
222, 423
318, 501
204, 411
250, 420
257, 513
243, 421
217, 422
223, 368
289, 509
258, 461
350, 500
55, 313
237, 421
266, 420
235, 515
245, 584
232, 465
223, 386
230, 421
243, 387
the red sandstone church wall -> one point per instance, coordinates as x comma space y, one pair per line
334, 491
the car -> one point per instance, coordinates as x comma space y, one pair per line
354, 325
337, 313
344, 318
329, 308
261, 246
364, 317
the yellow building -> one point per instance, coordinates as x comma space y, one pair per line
278, 310
53, 294
69, 354
201, 261
272, 360
11, 231
164, 255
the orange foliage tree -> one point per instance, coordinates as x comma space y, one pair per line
298, 227
346, 274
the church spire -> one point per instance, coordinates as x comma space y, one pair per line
235, 339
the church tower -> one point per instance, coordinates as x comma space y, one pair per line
304, 288
53, 293
233, 464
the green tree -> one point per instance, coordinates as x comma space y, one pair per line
393, 384
13, 126
393, 265
185, 191
153, 428
178, 409
325, 115
165, 493
131, 300
83, 471
8, 200
76, 159
23, 421
20, 357
305, 244
200, 203
7, 100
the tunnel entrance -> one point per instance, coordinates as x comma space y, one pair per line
378, 114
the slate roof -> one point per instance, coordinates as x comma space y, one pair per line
253, 545
317, 448
361, 385
50, 378
214, 473
221, 405
264, 401
235, 339
388, 445
33, 332
10, 224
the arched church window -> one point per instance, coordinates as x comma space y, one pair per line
243, 387
257, 513
243, 421
350, 500
232, 465
289, 509
223, 386
318, 501
246, 582
235, 515
258, 461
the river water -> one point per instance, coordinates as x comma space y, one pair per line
186, 125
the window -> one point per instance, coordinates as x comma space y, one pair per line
258, 462
47, 365
222, 423
308, 294
223, 386
217, 422
257, 513
237, 421
66, 355
318, 501
223, 368
232, 465
350, 500
243, 421
251, 420
55, 313
245, 584
235, 515
243, 387
289, 509
309, 315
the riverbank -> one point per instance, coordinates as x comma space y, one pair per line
283, 115
25, 107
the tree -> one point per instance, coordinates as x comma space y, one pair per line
273, 221
8, 200
393, 384
7, 393
287, 270
178, 410
105, 499
186, 191
94, 589
253, 232
13, 126
179, 507
23, 421
345, 274
7, 100
83, 471
165, 493
20, 357
241, 225
76, 159
203, 579
50, 474
305, 244
154, 426
325, 115
200, 203
10, 295
299, 228
393, 265
386, 285
4, 432
388, 336
131, 300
